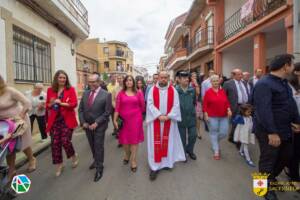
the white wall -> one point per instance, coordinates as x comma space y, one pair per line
2, 49
231, 6
239, 55
62, 50
276, 43
232, 59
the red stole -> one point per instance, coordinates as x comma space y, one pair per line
161, 146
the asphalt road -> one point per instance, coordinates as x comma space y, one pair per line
203, 179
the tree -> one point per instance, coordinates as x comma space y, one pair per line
105, 76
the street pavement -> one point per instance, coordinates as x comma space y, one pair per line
203, 179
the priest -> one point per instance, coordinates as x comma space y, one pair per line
163, 112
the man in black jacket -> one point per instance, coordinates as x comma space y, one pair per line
275, 118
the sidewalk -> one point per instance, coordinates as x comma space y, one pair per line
37, 147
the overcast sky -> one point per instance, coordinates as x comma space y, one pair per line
140, 23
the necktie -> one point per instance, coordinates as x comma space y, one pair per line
91, 98
244, 95
247, 88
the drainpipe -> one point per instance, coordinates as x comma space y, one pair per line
296, 45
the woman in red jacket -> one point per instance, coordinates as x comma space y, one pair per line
61, 119
216, 110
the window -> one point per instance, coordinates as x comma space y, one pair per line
32, 57
106, 50
198, 36
106, 64
120, 66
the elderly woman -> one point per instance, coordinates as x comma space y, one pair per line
216, 110
13, 103
38, 98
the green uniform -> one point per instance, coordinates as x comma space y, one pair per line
187, 101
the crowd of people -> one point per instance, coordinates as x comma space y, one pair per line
263, 108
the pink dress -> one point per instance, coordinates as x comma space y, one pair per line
131, 109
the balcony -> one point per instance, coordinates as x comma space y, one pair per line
119, 54
246, 15
70, 16
176, 59
202, 43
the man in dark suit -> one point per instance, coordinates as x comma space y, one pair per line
258, 74
94, 111
246, 82
237, 95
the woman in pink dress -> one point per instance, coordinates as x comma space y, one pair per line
130, 106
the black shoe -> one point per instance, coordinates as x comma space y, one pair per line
98, 176
238, 145
231, 140
125, 162
192, 156
153, 175
92, 166
120, 145
271, 195
199, 137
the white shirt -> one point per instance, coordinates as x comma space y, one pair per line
205, 86
35, 102
240, 96
255, 79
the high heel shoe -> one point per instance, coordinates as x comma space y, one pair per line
134, 169
59, 170
75, 161
31, 165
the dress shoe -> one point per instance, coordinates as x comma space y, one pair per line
153, 175
98, 176
92, 166
271, 195
192, 156
120, 145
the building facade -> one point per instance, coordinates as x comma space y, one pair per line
228, 34
85, 66
39, 37
140, 71
190, 40
250, 33
114, 57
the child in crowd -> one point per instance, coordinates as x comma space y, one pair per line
243, 132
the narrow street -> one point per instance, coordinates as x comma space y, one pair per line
205, 179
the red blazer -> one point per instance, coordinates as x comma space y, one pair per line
68, 113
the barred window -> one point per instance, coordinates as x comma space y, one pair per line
32, 57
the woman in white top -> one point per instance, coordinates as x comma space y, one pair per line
37, 98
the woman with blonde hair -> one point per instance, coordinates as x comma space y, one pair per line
13, 103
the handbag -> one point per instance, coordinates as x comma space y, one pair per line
120, 123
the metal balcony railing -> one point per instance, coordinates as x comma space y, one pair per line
203, 38
245, 16
178, 53
78, 11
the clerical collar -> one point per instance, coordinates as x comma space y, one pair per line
166, 87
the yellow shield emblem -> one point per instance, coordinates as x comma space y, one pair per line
260, 184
